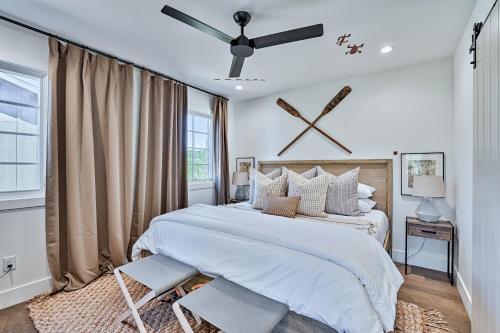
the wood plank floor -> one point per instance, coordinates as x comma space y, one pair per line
424, 287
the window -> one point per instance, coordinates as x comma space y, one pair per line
21, 132
199, 148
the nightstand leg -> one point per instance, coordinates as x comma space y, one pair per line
452, 252
406, 249
448, 261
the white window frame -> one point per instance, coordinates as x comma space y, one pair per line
208, 183
28, 199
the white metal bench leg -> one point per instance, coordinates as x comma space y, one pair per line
130, 302
143, 301
181, 318
183, 293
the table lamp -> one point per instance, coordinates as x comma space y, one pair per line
240, 179
428, 187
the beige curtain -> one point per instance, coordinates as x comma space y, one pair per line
161, 170
89, 186
221, 163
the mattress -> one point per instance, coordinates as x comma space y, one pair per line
376, 220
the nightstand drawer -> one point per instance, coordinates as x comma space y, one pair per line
429, 232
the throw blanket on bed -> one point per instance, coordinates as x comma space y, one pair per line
357, 222
334, 274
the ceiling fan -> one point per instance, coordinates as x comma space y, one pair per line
241, 46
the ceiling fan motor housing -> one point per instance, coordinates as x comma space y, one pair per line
242, 47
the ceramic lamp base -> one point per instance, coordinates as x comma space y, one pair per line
241, 192
427, 211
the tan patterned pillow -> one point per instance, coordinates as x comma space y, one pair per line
310, 174
265, 186
281, 206
271, 175
312, 193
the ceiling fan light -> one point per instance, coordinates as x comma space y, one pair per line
386, 49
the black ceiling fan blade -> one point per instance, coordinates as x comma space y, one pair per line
289, 36
236, 66
197, 24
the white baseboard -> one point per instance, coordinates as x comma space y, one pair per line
24, 292
464, 294
429, 260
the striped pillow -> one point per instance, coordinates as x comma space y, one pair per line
265, 186
342, 196
281, 206
312, 193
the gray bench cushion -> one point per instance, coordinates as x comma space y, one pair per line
234, 309
158, 272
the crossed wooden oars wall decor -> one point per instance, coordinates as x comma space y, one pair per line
329, 107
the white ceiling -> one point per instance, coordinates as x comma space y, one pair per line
419, 30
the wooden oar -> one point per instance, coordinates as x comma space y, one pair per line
294, 112
329, 107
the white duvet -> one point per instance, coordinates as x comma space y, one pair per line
335, 274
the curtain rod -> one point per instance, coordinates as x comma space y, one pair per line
43, 32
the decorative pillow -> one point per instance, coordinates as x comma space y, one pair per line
271, 175
365, 191
310, 174
342, 196
281, 206
312, 193
366, 205
265, 186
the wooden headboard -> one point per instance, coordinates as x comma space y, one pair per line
376, 173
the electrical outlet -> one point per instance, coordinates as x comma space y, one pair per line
9, 261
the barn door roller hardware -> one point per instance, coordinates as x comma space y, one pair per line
472, 49
476, 31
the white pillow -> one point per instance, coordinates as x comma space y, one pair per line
312, 193
366, 205
365, 191
265, 186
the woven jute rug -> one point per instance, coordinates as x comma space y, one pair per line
96, 308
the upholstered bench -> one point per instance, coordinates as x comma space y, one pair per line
231, 308
159, 273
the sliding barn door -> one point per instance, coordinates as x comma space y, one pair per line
486, 206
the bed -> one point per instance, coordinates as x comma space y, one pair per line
374, 172
327, 273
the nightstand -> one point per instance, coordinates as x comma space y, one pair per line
442, 230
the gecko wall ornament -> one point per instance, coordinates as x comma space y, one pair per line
354, 49
343, 39
327, 109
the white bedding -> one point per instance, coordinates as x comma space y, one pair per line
339, 276
376, 220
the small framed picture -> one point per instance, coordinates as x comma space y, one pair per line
244, 164
419, 164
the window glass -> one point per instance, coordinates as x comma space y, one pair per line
20, 131
199, 153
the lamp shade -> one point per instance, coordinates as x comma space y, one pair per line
429, 186
240, 178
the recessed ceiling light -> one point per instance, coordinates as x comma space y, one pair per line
386, 49
238, 88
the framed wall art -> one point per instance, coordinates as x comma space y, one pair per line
419, 164
244, 164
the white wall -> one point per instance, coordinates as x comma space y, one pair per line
404, 110
462, 147
22, 231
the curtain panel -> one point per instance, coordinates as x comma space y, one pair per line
110, 170
221, 160
89, 183
162, 160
